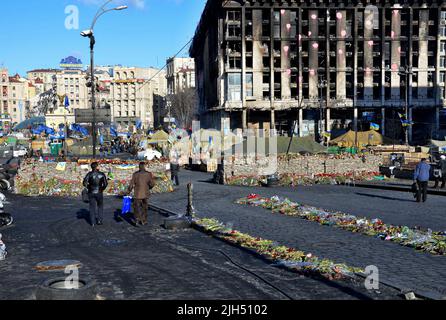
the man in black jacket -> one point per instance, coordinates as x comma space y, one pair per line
96, 183
442, 168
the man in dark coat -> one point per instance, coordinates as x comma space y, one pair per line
96, 183
142, 182
442, 170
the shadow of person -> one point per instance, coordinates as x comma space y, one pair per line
84, 214
129, 218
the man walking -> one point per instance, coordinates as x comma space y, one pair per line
142, 182
421, 177
96, 183
442, 173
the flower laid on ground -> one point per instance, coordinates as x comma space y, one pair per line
35, 186
428, 241
281, 255
290, 179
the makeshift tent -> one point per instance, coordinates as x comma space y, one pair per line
365, 138
298, 145
32, 122
158, 137
439, 144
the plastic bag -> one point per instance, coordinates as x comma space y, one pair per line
126, 205
3, 252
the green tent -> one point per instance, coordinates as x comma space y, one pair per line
159, 137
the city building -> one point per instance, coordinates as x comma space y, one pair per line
311, 67
15, 95
135, 94
42, 79
180, 74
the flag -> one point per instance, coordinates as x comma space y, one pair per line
113, 132
67, 103
138, 124
326, 134
80, 129
407, 123
374, 126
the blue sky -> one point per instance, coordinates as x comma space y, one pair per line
34, 35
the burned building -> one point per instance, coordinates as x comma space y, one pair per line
314, 66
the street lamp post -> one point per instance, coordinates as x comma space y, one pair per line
406, 73
90, 34
322, 85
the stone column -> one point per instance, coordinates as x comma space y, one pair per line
437, 120
301, 122
245, 119
273, 120
257, 54
285, 55
395, 53
368, 55
383, 121
355, 119
328, 120
423, 54
313, 53
341, 29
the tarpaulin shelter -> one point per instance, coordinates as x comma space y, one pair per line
364, 138
158, 137
296, 145
32, 122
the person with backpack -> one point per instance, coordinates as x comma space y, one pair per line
96, 183
142, 182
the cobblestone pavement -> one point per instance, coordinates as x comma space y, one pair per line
145, 263
400, 266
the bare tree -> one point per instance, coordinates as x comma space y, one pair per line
184, 107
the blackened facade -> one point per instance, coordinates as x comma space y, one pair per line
321, 66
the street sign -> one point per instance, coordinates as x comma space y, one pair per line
169, 120
86, 116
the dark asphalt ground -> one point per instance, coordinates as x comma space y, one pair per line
145, 263
400, 266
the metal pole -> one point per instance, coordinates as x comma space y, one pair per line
190, 198
407, 105
93, 89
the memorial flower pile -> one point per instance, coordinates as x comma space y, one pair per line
44, 179
280, 255
423, 240
289, 179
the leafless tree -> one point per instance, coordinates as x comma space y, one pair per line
184, 107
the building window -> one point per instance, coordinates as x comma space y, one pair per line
442, 62
249, 85
233, 15
234, 86
442, 77
234, 31
442, 47
443, 31
235, 63
443, 15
